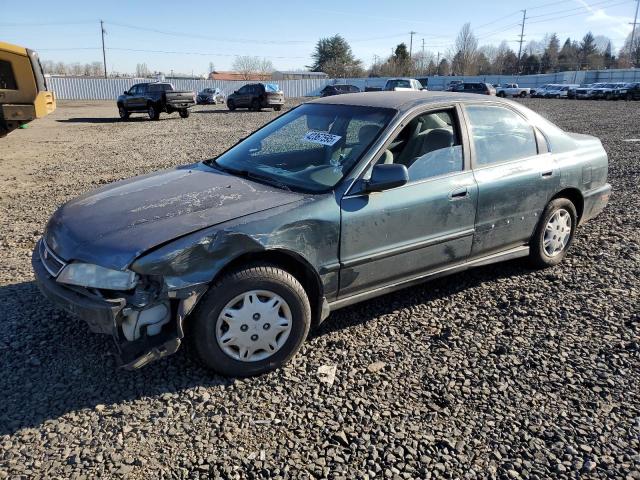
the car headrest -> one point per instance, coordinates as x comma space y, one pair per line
438, 138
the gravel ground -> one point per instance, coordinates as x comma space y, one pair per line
500, 372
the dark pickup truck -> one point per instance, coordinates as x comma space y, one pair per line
154, 98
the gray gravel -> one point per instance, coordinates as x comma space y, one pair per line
500, 372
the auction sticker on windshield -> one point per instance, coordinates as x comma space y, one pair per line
322, 138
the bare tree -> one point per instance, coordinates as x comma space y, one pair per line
250, 66
142, 71
466, 52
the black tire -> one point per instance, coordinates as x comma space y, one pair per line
153, 112
184, 113
629, 96
523, 94
123, 112
245, 279
277, 108
231, 105
538, 256
501, 94
255, 105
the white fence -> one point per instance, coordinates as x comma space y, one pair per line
78, 88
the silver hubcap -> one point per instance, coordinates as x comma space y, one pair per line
557, 233
253, 326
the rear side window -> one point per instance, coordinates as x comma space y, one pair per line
500, 135
7, 78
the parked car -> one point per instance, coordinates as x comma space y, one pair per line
338, 89
539, 92
475, 87
337, 201
256, 96
590, 91
611, 91
558, 91
453, 85
630, 92
402, 84
154, 98
210, 96
424, 81
511, 90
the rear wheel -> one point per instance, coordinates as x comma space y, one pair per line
252, 321
184, 113
554, 233
277, 108
523, 94
502, 94
255, 105
231, 105
123, 112
153, 112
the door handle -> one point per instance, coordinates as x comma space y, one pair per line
547, 174
459, 194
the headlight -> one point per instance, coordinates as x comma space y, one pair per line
95, 276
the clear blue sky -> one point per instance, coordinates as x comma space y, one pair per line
286, 31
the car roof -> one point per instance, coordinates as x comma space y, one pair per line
402, 101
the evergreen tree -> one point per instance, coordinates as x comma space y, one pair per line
333, 56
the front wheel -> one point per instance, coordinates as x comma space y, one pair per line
255, 105
554, 233
523, 94
123, 112
231, 105
153, 112
502, 94
252, 321
184, 113
277, 108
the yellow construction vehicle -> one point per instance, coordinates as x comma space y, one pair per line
23, 89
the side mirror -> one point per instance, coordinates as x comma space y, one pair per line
235, 92
386, 176
126, 92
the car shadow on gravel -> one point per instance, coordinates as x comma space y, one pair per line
422, 293
51, 365
113, 120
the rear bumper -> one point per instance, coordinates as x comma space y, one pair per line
595, 201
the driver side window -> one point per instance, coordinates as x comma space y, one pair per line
429, 146
499, 135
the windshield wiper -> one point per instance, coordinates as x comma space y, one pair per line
266, 179
255, 176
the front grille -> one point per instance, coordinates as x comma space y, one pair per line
50, 260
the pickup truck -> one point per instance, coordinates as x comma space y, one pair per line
402, 84
512, 90
154, 98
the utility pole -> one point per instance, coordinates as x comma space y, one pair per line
104, 55
422, 69
412, 33
524, 19
633, 32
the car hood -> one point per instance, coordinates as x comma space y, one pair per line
115, 224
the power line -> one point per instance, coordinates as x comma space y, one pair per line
602, 3
208, 37
213, 54
576, 14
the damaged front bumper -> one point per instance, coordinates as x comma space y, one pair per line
105, 315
